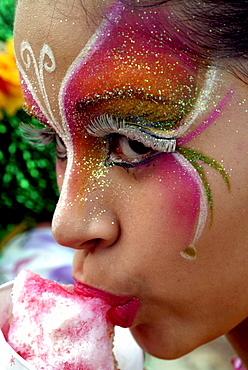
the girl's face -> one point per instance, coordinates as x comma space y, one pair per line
151, 164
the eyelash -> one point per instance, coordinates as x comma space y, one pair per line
119, 136
43, 137
106, 125
110, 128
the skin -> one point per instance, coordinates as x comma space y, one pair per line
129, 227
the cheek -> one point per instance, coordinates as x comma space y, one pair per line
174, 197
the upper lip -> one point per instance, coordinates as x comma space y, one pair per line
122, 310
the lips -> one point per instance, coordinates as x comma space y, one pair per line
122, 310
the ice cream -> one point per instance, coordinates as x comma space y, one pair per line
55, 328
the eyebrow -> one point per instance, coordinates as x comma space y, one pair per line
126, 93
157, 111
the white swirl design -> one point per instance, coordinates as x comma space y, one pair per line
46, 63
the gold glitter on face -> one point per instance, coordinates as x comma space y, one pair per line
130, 73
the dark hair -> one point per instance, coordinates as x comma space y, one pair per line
214, 29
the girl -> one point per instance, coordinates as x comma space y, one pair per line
147, 102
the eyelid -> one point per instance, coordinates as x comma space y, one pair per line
106, 125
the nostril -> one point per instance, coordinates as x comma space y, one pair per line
90, 245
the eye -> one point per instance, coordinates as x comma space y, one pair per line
61, 151
130, 148
127, 152
130, 144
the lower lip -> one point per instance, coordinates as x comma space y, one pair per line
122, 310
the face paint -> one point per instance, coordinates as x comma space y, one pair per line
132, 81
124, 72
186, 204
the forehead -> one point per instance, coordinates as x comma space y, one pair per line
61, 23
68, 25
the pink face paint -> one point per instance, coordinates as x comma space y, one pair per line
30, 105
178, 196
209, 121
126, 72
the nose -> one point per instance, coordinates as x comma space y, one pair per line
85, 222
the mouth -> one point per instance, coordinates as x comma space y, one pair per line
122, 310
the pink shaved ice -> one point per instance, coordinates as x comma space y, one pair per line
54, 328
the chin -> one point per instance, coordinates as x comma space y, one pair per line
166, 347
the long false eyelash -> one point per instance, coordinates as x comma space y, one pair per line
37, 136
106, 125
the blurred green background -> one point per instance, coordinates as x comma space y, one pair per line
27, 174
